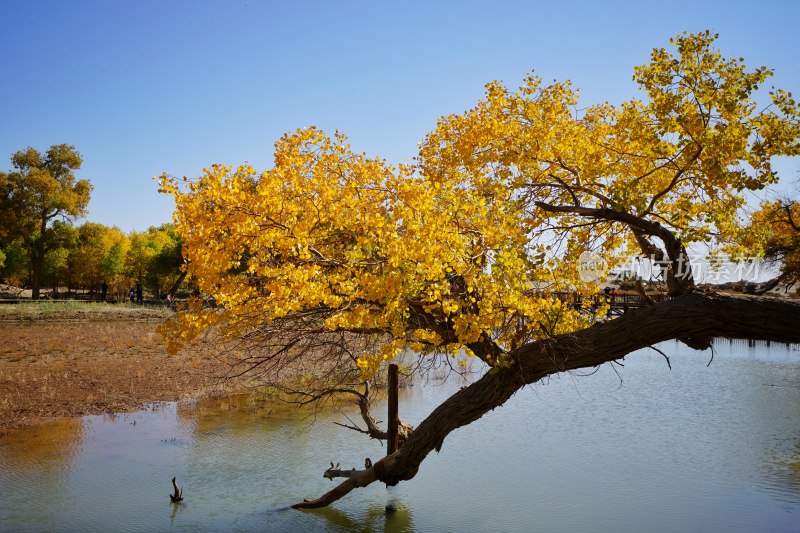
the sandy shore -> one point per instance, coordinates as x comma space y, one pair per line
75, 362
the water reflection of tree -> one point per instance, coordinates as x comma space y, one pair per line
783, 477
399, 518
794, 469
781, 467
236, 412
42, 456
50, 444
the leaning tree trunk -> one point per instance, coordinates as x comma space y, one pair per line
694, 319
175, 286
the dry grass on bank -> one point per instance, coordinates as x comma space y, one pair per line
71, 311
73, 362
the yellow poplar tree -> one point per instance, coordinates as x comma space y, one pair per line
338, 261
774, 232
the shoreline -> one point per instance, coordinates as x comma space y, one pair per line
46, 311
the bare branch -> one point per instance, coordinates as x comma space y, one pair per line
675, 179
666, 357
681, 268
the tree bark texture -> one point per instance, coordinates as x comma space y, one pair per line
695, 318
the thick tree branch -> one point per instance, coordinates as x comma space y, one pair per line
683, 281
788, 206
373, 430
657, 255
691, 316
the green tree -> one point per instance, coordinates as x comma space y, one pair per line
98, 255
154, 258
15, 265
59, 267
41, 190
166, 267
138, 257
113, 262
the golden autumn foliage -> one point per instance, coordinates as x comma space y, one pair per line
479, 239
774, 232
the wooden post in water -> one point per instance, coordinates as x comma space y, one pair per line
394, 419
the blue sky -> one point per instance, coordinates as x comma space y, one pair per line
146, 87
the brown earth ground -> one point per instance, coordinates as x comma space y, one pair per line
81, 361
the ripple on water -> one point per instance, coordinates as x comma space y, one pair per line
694, 448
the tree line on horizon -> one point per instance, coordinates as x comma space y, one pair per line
42, 248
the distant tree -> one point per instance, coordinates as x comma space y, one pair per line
113, 263
41, 189
138, 257
56, 269
98, 255
5, 213
4, 228
167, 266
59, 267
154, 259
15, 265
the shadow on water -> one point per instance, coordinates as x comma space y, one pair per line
394, 517
369, 518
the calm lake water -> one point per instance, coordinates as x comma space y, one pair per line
692, 449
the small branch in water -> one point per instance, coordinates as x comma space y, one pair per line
177, 496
